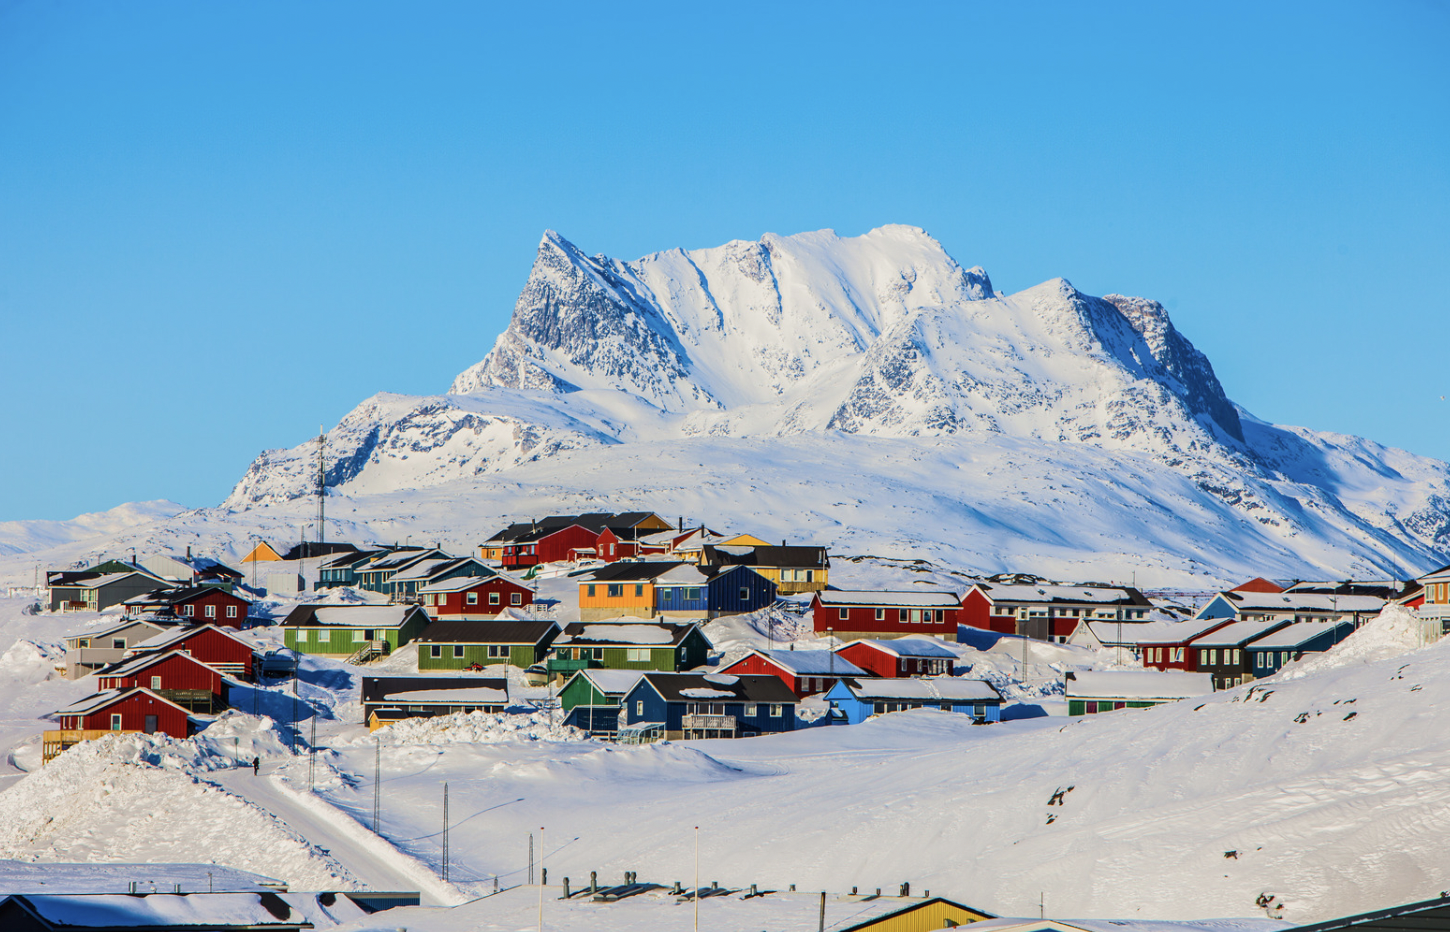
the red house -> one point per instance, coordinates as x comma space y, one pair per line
547, 545
225, 653
900, 657
473, 598
891, 614
173, 675
1164, 645
805, 672
136, 710
208, 604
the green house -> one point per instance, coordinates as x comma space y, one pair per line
364, 631
628, 646
591, 699
472, 645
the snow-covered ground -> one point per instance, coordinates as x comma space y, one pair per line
1326, 787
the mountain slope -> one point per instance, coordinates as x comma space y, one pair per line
850, 344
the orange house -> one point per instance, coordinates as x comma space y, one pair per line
621, 589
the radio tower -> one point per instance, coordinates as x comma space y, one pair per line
321, 484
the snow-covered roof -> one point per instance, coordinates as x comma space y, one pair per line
686, 574
1138, 684
933, 688
924, 599
1298, 633
106, 697
1303, 602
118, 626
1157, 632
177, 635
165, 910
1236, 634
1106, 595
148, 659
623, 633
812, 662
25, 877
611, 682
706, 692
457, 584
478, 695
421, 569
351, 616
909, 647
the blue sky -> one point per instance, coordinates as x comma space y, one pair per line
222, 225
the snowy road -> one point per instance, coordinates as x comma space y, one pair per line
375, 863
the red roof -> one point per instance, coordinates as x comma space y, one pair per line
1257, 584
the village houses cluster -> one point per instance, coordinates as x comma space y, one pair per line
637, 666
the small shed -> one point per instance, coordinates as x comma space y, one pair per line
1093, 691
854, 700
805, 672
908, 656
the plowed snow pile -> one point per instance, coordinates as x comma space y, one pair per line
1393, 632
477, 728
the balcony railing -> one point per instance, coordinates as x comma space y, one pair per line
53, 742
696, 722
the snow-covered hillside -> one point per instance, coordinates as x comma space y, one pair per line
868, 393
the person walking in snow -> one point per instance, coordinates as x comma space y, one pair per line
256, 766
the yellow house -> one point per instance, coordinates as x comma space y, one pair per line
922, 916
793, 569
262, 552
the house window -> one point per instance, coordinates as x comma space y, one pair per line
357, 635
744, 593
118, 643
494, 650
435, 650
639, 707
323, 636
749, 711
905, 616
1177, 655
589, 590
615, 591
881, 614
516, 599
1212, 657
668, 595
637, 654
155, 682
692, 593
187, 610
638, 589
843, 613
458, 651
776, 711
231, 611
810, 576
115, 721
471, 598
598, 653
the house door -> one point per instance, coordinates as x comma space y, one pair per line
150, 724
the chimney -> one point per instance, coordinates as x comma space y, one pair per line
682, 524
188, 551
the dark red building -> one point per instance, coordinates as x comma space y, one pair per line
206, 604
1048, 611
1171, 649
470, 596
133, 710
547, 545
900, 657
224, 652
805, 672
868, 614
175, 675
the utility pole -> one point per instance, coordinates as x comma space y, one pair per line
321, 484
445, 833
697, 878
312, 758
377, 783
541, 879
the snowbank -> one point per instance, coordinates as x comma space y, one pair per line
476, 728
1391, 633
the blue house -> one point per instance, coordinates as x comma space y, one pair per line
853, 700
1268, 654
676, 706
711, 591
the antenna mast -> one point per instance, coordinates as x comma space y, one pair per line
321, 484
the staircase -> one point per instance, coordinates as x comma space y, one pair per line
372, 650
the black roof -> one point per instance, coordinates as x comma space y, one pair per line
1425, 915
377, 688
619, 572
595, 521
311, 548
351, 559
768, 556
488, 632
70, 577
575, 629
748, 687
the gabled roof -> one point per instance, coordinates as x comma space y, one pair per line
351, 616
311, 548
172, 636
399, 558
340, 560
1291, 601
118, 626
1238, 633
109, 697
459, 583
951, 688
1299, 633
807, 557
1159, 632
434, 566
694, 687
610, 682
907, 647
179, 595
630, 572
1063, 594
262, 552
808, 662
919, 598
1258, 584
604, 634
98, 582
1440, 575
486, 632
135, 665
